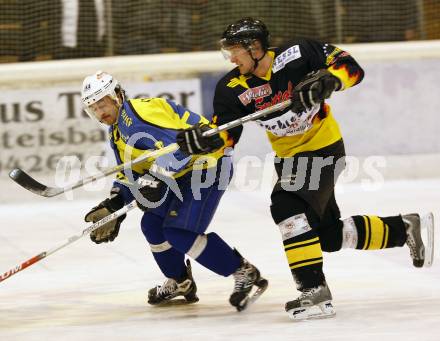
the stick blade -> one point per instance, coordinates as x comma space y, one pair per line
26, 181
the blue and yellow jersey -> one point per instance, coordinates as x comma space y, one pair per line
147, 124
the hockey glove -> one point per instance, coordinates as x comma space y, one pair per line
191, 140
313, 89
151, 189
107, 232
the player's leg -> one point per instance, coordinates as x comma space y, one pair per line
171, 262
299, 202
184, 229
298, 223
368, 232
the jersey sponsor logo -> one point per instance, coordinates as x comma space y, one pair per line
290, 123
287, 56
280, 96
254, 93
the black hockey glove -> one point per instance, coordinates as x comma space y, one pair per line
151, 189
313, 89
191, 141
107, 232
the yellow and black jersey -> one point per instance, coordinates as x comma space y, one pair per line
153, 123
289, 133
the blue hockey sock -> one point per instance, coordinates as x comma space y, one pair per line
207, 249
170, 261
218, 256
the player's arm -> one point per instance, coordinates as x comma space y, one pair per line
226, 109
191, 140
341, 65
109, 231
158, 122
120, 195
332, 70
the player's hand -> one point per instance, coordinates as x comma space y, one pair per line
151, 189
191, 140
314, 89
107, 232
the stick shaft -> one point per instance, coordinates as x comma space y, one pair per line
29, 183
27, 263
150, 155
251, 117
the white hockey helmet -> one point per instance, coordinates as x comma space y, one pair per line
96, 87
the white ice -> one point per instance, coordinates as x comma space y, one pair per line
90, 292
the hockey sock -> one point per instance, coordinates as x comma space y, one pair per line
170, 261
304, 255
209, 250
301, 242
375, 232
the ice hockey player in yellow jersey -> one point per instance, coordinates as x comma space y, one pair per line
309, 155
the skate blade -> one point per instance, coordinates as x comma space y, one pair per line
175, 302
321, 311
252, 297
427, 223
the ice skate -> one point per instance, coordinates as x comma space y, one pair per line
311, 304
421, 254
247, 277
171, 288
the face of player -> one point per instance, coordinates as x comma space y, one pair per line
240, 56
106, 110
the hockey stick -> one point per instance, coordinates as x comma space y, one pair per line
25, 180
29, 183
69, 241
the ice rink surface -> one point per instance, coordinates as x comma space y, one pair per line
90, 292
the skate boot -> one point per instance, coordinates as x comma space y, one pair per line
311, 304
246, 278
171, 288
421, 255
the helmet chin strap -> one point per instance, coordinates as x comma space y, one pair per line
256, 60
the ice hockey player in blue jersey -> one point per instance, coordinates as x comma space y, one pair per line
172, 191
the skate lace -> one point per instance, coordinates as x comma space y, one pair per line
242, 278
411, 239
412, 246
168, 287
307, 293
